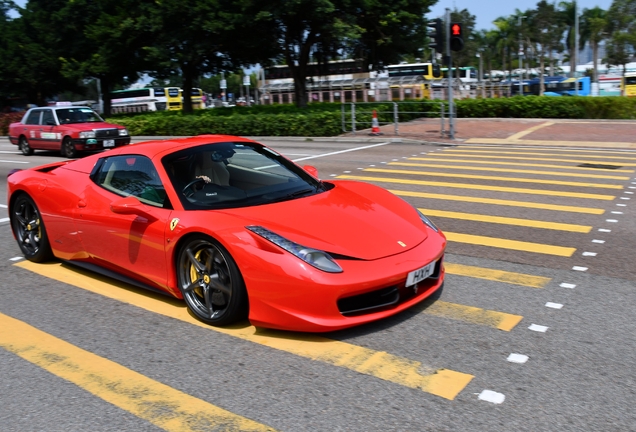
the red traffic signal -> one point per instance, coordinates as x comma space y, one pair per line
456, 37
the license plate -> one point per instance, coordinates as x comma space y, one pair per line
109, 143
420, 274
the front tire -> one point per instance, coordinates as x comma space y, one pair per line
24, 146
68, 148
29, 230
210, 282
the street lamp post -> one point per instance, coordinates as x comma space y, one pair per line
481, 75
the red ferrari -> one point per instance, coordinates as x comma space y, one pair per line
235, 229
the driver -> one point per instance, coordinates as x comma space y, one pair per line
211, 169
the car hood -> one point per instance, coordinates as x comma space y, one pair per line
354, 219
90, 126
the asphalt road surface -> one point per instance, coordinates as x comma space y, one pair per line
534, 331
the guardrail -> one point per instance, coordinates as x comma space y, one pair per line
358, 116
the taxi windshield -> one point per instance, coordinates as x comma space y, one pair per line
77, 115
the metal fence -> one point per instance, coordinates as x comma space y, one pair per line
357, 116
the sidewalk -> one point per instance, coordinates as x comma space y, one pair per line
542, 132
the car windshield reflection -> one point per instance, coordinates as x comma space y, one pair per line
237, 174
77, 115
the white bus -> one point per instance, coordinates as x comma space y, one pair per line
138, 100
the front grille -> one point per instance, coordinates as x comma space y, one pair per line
387, 297
106, 133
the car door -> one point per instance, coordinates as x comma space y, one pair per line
49, 138
131, 244
31, 128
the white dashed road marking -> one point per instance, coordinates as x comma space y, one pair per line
554, 305
517, 358
538, 328
492, 397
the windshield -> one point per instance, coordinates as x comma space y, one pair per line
224, 175
77, 115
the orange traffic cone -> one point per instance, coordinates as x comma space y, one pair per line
375, 126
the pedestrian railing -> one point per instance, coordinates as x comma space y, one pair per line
358, 116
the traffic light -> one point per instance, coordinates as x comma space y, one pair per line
456, 37
436, 34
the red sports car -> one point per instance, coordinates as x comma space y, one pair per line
235, 229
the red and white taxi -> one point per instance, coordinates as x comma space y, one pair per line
68, 129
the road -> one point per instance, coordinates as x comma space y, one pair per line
534, 330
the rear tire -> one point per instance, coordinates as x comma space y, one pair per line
24, 146
68, 148
29, 230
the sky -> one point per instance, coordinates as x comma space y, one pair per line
486, 11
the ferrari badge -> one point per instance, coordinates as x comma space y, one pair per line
173, 223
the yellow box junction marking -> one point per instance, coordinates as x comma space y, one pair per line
441, 382
519, 164
597, 155
512, 203
510, 244
495, 178
602, 152
529, 130
578, 161
474, 315
157, 403
510, 170
508, 142
497, 275
557, 226
480, 187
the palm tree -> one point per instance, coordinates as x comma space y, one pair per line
505, 39
544, 30
568, 11
593, 30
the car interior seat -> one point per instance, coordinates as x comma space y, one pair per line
215, 170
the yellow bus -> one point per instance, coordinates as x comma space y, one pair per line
173, 98
628, 84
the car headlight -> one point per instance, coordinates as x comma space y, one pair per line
427, 221
87, 134
316, 258
123, 132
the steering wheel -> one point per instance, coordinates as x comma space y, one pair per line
188, 190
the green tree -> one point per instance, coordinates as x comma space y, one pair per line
568, 10
621, 24
545, 30
593, 30
379, 33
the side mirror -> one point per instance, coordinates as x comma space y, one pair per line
311, 170
129, 205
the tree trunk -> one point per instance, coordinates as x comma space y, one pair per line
541, 77
106, 89
300, 86
187, 89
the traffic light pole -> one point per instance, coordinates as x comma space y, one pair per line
451, 105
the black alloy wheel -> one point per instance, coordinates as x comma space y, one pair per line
29, 231
210, 282
24, 146
68, 148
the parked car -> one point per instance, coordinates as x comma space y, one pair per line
235, 229
69, 129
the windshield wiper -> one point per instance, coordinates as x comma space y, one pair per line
293, 195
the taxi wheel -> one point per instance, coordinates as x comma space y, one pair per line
68, 148
211, 282
24, 146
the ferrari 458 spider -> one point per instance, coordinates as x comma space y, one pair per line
235, 229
